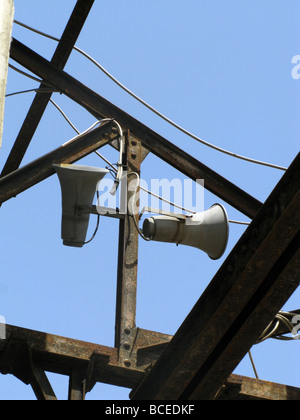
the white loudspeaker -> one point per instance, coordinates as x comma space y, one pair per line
78, 188
207, 231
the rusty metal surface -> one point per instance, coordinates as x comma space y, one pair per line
41, 385
27, 354
24, 350
125, 330
77, 384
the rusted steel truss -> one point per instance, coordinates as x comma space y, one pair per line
257, 278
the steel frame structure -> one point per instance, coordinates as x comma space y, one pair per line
255, 281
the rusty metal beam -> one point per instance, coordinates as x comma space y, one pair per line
41, 385
248, 389
16, 358
63, 356
40, 102
100, 108
77, 384
85, 363
125, 329
27, 354
251, 287
35, 172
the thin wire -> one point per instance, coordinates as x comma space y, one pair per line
253, 364
239, 223
97, 226
107, 161
133, 201
37, 90
111, 165
169, 121
271, 332
161, 198
29, 75
64, 115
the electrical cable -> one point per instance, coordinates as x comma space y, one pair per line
97, 226
142, 188
169, 121
107, 161
253, 364
64, 115
133, 201
272, 330
28, 75
119, 164
236, 222
163, 199
37, 90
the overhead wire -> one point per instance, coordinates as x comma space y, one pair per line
96, 152
253, 364
99, 154
152, 109
272, 331
37, 90
36, 79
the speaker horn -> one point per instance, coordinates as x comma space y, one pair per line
207, 231
78, 187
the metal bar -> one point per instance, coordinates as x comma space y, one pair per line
77, 385
62, 355
41, 385
251, 287
102, 211
35, 172
248, 389
40, 102
125, 330
100, 108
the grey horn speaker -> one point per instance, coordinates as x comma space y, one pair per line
78, 188
207, 231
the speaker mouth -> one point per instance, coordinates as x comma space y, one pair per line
226, 236
149, 228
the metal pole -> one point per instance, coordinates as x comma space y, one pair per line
6, 23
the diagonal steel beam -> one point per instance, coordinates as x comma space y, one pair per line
40, 102
40, 384
35, 172
101, 108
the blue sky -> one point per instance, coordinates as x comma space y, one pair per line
222, 70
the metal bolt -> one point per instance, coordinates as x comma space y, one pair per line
127, 363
